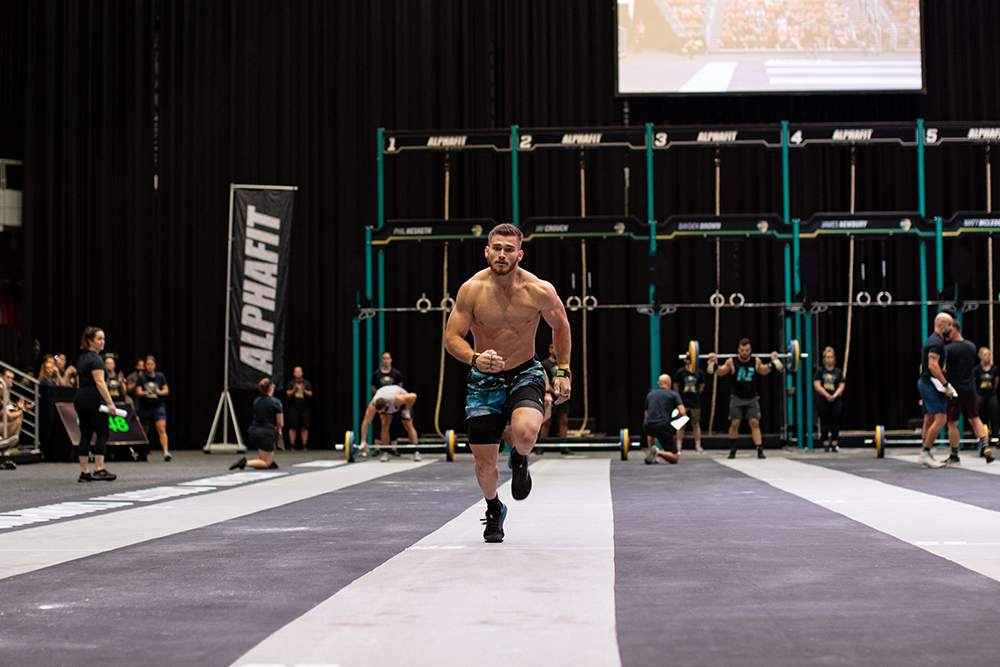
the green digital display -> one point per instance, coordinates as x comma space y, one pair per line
123, 430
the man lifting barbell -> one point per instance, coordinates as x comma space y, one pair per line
744, 399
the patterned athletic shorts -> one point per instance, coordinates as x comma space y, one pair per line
493, 397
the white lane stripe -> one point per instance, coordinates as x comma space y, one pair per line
545, 596
946, 528
34, 548
714, 77
820, 64
861, 71
970, 461
858, 82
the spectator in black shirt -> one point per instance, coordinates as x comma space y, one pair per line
960, 373
67, 375
386, 374
689, 386
12, 405
48, 374
116, 381
92, 394
987, 380
828, 381
132, 381
151, 388
265, 429
299, 393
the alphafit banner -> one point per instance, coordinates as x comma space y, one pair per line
262, 223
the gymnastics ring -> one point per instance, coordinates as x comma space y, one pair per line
424, 304
863, 298
883, 298
573, 303
590, 302
733, 297
716, 300
447, 304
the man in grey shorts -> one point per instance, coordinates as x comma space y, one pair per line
744, 399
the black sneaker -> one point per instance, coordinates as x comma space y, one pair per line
494, 524
732, 454
85, 477
760, 453
241, 464
520, 483
103, 475
274, 465
953, 460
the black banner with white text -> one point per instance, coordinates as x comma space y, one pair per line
262, 224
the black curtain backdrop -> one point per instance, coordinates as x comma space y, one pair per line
137, 115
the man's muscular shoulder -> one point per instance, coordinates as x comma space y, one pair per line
541, 291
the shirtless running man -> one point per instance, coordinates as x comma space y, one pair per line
501, 305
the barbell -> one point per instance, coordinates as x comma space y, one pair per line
881, 441
793, 354
352, 448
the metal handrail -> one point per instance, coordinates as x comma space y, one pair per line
28, 388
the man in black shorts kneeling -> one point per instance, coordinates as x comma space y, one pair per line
663, 405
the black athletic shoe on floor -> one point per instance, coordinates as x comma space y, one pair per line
494, 524
520, 483
241, 464
760, 453
953, 460
103, 475
85, 477
274, 465
732, 454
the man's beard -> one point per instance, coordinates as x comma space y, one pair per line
502, 269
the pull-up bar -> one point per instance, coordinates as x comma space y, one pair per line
649, 139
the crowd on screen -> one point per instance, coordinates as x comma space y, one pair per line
815, 25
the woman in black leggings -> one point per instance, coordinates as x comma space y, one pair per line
829, 384
91, 395
987, 379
